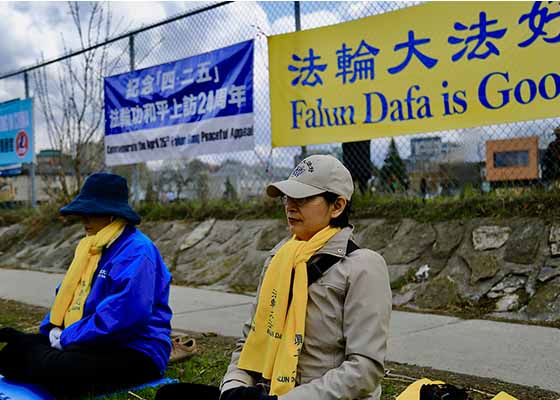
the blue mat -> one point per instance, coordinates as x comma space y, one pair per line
10, 390
156, 383
14, 390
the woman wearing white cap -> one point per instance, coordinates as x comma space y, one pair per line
320, 321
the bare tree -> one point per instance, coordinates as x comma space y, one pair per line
72, 104
178, 175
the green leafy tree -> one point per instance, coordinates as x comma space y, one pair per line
199, 173
393, 176
230, 193
551, 160
151, 194
202, 186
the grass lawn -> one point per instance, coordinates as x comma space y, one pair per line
214, 352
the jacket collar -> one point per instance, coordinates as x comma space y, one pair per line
336, 246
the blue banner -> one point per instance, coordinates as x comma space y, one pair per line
16, 132
10, 170
199, 105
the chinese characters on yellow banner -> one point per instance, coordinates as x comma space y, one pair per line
432, 67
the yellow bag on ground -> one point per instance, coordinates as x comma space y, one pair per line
412, 392
503, 396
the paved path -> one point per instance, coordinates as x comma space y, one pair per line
522, 354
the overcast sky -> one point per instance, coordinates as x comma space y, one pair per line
31, 28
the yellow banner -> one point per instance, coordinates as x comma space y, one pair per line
437, 66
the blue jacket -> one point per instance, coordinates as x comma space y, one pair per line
128, 305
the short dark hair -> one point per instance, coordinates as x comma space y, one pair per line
342, 221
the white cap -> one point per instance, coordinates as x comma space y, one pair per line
316, 174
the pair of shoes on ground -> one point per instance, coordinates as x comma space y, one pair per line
183, 347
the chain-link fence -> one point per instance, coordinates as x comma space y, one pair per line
444, 163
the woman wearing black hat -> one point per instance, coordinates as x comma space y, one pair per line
110, 321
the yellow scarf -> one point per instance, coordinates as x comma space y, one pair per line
69, 303
276, 338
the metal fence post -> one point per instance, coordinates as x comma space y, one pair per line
32, 169
135, 168
297, 18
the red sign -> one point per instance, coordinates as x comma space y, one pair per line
22, 144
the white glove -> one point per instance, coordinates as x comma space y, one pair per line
54, 337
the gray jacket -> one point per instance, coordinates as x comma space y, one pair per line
346, 329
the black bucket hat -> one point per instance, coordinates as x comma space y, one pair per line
103, 194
